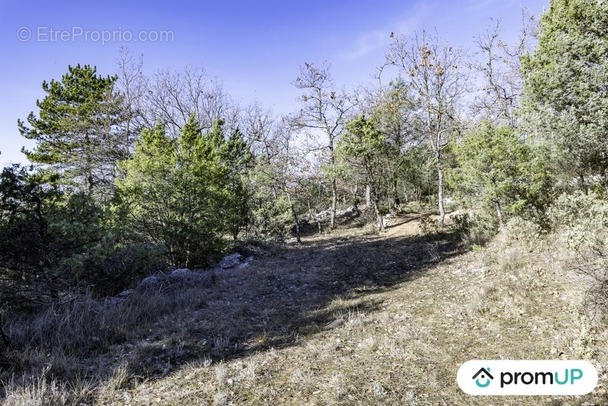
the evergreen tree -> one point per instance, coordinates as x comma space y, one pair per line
565, 87
498, 171
76, 132
366, 149
185, 193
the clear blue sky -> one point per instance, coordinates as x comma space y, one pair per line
254, 47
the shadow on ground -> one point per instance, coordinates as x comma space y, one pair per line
300, 291
296, 292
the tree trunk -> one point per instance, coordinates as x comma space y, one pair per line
368, 195
499, 213
295, 218
379, 219
334, 202
583, 183
440, 193
6, 341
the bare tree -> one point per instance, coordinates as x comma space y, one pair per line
258, 124
325, 110
172, 96
499, 68
434, 73
279, 160
131, 84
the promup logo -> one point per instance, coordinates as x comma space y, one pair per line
483, 375
501, 377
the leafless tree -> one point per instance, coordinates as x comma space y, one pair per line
258, 124
499, 67
324, 112
172, 96
132, 86
435, 74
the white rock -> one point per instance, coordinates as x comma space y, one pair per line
149, 282
183, 273
245, 264
231, 260
125, 294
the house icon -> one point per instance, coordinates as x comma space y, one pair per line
483, 374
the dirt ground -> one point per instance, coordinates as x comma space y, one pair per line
357, 319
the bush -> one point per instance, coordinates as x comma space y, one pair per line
270, 217
579, 208
54, 243
580, 215
476, 228
582, 220
591, 263
107, 269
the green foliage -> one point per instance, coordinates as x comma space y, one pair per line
367, 150
364, 143
53, 242
183, 194
565, 93
498, 171
418, 175
76, 131
476, 227
569, 210
270, 209
581, 216
364, 147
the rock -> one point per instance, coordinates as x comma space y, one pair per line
183, 273
149, 282
125, 294
323, 214
245, 264
113, 300
231, 260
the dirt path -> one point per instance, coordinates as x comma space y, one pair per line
349, 318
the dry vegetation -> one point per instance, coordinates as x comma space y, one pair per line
347, 318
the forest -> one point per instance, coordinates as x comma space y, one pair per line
134, 175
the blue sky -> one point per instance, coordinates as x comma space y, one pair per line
254, 47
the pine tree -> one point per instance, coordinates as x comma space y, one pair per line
183, 194
76, 131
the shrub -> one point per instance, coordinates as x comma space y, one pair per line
476, 228
580, 216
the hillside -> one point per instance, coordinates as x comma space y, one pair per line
346, 318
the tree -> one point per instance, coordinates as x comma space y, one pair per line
131, 83
394, 111
566, 88
365, 147
43, 231
277, 180
77, 131
433, 72
184, 193
324, 112
169, 192
500, 94
497, 170
237, 159
173, 96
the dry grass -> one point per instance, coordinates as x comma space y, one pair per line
346, 318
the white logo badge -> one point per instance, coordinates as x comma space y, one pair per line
507, 377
